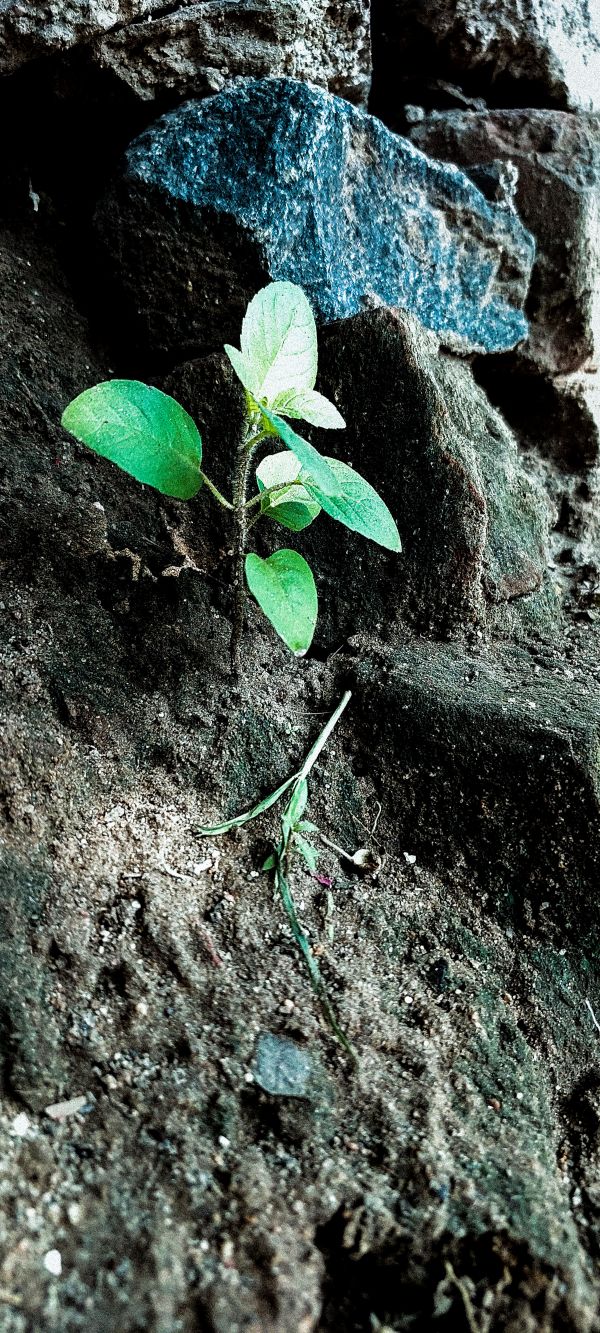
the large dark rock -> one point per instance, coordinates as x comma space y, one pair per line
557, 194
221, 195
558, 416
33, 28
473, 524
548, 388
192, 47
528, 53
493, 758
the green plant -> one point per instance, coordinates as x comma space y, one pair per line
293, 830
150, 436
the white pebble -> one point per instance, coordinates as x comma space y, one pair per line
53, 1262
21, 1124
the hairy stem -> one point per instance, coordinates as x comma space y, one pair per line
280, 487
254, 436
210, 485
240, 533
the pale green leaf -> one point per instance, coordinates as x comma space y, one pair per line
145, 432
212, 830
297, 804
278, 342
306, 850
357, 505
292, 506
270, 862
314, 467
284, 588
242, 369
308, 405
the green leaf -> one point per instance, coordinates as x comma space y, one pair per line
145, 432
285, 590
278, 342
297, 804
307, 851
314, 467
270, 862
308, 405
291, 507
356, 504
213, 830
305, 826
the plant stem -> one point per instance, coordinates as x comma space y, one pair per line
240, 533
271, 490
314, 972
323, 738
213, 490
251, 441
240, 506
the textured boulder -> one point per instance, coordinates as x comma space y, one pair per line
558, 416
498, 763
473, 524
31, 28
511, 51
140, 963
221, 195
194, 50
190, 49
557, 157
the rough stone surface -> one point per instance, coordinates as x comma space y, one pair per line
471, 719
192, 236
528, 52
189, 49
32, 28
140, 962
558, 416
195, 50
473, 524
557, 194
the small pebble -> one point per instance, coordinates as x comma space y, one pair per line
53, 1263
21, 1124
282, 1067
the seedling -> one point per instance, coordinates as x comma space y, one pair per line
293, 830
150, 436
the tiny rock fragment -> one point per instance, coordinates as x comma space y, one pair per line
367, 861
21, 1124
53, 1262
60, 1110
281, 1067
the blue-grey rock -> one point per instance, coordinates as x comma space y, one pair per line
281, 1067
272, 179
555, 158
